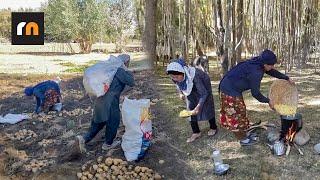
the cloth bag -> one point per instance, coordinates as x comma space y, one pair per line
13, 118
98, 77
138, 128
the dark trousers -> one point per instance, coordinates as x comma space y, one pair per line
110, 133
195, 125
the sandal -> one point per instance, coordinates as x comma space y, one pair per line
249, 142
212, 132
193, 137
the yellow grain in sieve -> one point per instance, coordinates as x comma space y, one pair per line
285, 109
284, 97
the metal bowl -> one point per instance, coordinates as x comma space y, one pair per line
221, 169
317, 148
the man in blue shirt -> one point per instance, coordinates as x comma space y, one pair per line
244, 76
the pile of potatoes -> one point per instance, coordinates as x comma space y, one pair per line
115, 169
22, 135
46, 142
77, 112
36, 165
44, 117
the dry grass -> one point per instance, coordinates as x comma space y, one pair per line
182, 160
255, 162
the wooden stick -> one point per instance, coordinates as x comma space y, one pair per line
296, 146
288, 150
263, 125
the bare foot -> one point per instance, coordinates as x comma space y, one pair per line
193, 137
212, 132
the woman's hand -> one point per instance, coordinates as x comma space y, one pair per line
291, 81
196, 110
182, 97
271, 104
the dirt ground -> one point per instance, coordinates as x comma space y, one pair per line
74, 120
255, 162
181, 160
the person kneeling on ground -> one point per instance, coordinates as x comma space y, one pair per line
106, 109
194, 85
47, 94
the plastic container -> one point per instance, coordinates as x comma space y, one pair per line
217, 159
219, 167
57, 107
317, 148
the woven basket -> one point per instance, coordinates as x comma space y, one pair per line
284, 96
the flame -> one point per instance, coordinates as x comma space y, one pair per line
291, 133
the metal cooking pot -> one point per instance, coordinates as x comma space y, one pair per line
278, 148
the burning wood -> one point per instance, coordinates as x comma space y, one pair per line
289, 139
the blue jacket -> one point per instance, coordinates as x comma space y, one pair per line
40, 89
247, 75
107, 106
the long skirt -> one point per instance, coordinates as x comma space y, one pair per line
52, 97
233, 114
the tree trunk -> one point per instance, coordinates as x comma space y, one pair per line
85, 46
227, 38
239, 30
139, 15
233, 57
150, 33
220, 32
199, 50
187, 19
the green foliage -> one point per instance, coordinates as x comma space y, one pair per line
61, 20
139, 6
74, 68
88, 21
92, 19
120, 17
77, 69
68, 64
75, 20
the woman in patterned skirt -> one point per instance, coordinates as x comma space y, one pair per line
47, 95
244, 76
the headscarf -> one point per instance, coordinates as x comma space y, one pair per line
265, 57
57, 80
124, 58
189, 72
28, 91
268, 57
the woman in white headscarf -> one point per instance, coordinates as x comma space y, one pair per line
194, 85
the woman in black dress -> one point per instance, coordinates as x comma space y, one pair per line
194, 85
